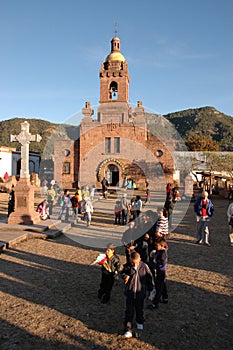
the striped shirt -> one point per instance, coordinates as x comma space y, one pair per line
162, 225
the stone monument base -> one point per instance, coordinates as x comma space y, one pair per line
24, 213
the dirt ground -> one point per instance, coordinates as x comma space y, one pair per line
48, 296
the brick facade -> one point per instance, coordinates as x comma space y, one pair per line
118, 143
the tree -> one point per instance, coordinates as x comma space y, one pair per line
219, 162
200, 142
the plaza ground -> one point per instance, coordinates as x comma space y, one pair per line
48, 295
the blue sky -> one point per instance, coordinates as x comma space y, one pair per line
179, 52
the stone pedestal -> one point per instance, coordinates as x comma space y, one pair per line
188, 186
24, 205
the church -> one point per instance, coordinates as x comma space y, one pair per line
121, 143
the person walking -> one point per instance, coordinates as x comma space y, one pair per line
147, 200
204, 209
75, 206
87, 210
65, 200
110, 269
124, 210
105, 186
117, 212
159, 264
138, 205
138, 279
51, 194
169, 206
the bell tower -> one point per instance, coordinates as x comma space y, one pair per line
114, 86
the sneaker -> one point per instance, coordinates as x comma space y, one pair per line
198, 241
128, 334
207, 244
165, 301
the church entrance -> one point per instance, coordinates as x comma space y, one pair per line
112, 175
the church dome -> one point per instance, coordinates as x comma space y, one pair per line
115, 56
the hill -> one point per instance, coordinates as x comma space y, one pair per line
48, 131
205, 121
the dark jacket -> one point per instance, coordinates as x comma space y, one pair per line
142, 248
160, 263
198, 207
140, 280
114, 264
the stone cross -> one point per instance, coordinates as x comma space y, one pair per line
24, 138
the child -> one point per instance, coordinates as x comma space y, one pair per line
147, 196
43, 210
169, 206
160, 266
138, 279
75, 206
109, 271
161, 228
117, 212
88, 210
92, 193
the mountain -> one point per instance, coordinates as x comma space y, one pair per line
48, 131
204, 121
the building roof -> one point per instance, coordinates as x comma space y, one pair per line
115, 56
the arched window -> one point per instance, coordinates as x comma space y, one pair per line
113, 91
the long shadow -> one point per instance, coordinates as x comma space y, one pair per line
13, 337
71, 287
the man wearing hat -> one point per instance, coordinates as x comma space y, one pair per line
204, 209
109, 270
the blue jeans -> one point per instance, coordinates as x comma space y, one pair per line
66, 208
75, 213
203, 229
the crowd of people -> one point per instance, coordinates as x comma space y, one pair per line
126, 211
78, 206
146, 254
145, 241
144, 273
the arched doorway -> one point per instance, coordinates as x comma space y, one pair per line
112, 174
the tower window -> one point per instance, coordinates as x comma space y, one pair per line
116, 144
107, 144
113, 91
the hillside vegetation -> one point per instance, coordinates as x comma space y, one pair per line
206, 121
48, 131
